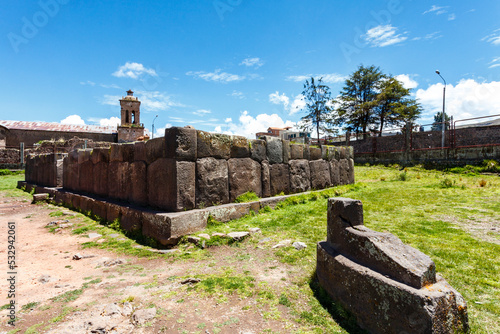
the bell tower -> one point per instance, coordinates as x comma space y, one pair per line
131, 127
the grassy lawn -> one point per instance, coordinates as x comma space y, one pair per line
453, 218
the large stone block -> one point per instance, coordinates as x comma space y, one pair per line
274, 150
350, 171
266, 179
171, 184
388, 286
300, 176
240, 147
296, 151
320, 174
155, 149
257, 149
286, 151
213, 145
113, 212
344, 171
181, 143
84, 155
315, 153
212, 183
100, 186
122, 152
138, 183
140, 151
384, 306
329, 153
335, 172
86, 177
118, 180
244, 175
307, 152
157, 226
280, 179
131, 219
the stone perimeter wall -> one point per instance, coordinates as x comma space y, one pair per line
190, 169
45, 169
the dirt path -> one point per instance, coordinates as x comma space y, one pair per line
105, 292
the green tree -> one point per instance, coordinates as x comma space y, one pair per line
358, 99
393, 105
319, 105
438, 121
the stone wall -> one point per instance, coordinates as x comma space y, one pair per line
190, 169
14, 137
45, 170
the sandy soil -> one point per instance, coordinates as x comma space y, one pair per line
116, 298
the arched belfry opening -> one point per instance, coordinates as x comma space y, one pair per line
130, 128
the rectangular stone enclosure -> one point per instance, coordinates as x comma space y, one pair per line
190, 169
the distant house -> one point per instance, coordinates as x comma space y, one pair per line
286, 133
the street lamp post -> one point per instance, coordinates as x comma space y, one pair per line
153, 127
443, 116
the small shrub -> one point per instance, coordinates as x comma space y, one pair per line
483, 183
382, 179
249, 196
404, 176
418, 177
491, 165
446, 183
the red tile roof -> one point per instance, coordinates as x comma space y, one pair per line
45, 126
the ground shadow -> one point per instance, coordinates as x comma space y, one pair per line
344, 318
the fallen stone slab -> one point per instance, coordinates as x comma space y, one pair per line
298, 245
140, 317
40, 198
238, 236
388, 286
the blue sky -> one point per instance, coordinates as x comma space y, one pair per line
238, 66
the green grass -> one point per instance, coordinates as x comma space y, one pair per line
8, 184
249, 196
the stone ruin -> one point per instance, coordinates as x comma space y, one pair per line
167, 187
388, 286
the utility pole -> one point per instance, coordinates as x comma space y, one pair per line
443, 118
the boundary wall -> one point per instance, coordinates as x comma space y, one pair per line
190, 169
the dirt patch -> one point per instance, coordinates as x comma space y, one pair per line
106, 292
483, 228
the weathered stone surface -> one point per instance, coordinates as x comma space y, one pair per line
157, 226
122, 152
131, 219
315, 153
99, 155
344, 171
238, 236
181, 143
59, 173
296, 151
274, 150
240, 147
266, 179
329, 153
84, 155
140, 151
382, 305
171, 184
320, 174
258, 149
342, 152
155, 149
118, 180
335, 172
98, 208
140, 317
244, 175
86, 177
40, 198
213, 145
286, 151
382, 252
138, 183
113, 212
300, 175
212, 183
100, 186
307, 152
350, 171
227, 212
280, 179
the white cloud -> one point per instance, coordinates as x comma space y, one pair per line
111, 100
408, 82
112, 121
88, 82
298, 104
437, 10
160, 132
133, 71
494, 63
73, 120
327, 77
248, 125
150, 100
216, 75
228, 120
383, 35
467, 99
276, 98
110, 86
238, 94
493, 38
451, 17
201, 112
252, 62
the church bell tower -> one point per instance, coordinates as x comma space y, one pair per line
131, 128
